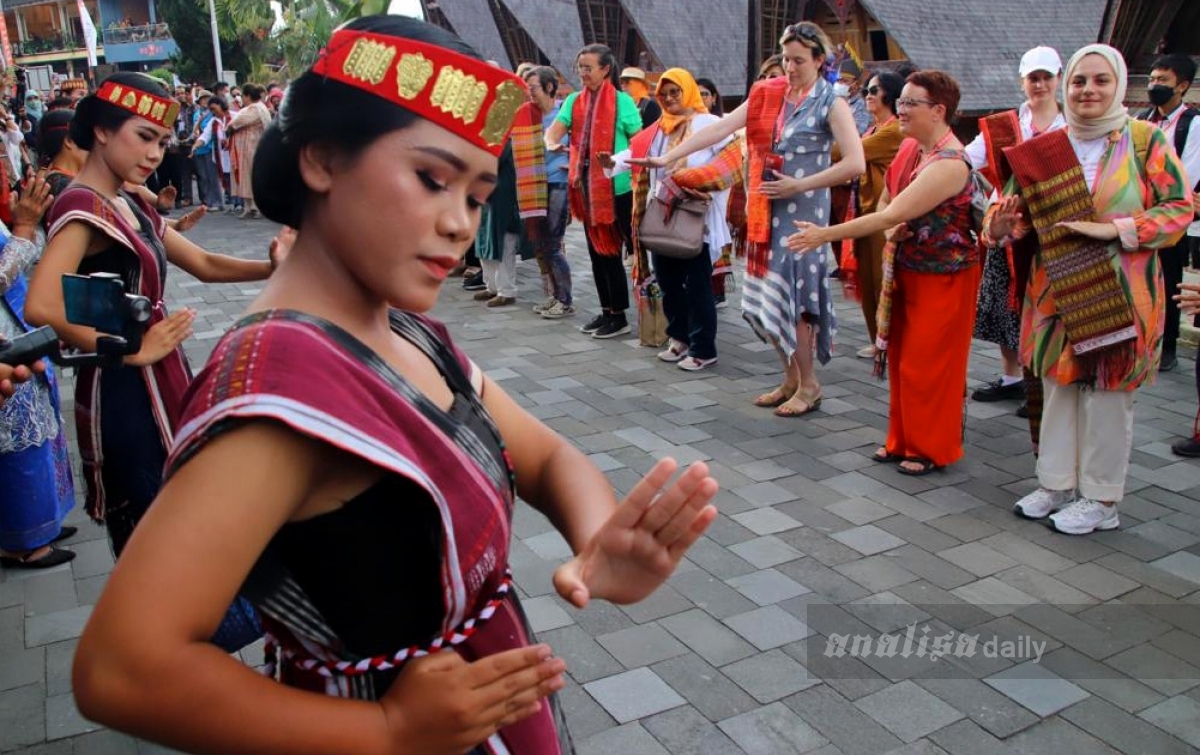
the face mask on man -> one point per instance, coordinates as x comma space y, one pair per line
1161, 94
841, 89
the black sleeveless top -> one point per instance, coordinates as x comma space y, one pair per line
355, 562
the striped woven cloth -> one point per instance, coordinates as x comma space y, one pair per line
529, 153
1094, 307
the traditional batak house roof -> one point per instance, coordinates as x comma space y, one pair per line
980, 42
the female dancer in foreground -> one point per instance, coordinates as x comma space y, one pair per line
352, 472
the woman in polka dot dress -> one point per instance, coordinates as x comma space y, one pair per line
791, 126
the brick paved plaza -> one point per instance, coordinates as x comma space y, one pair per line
813, 540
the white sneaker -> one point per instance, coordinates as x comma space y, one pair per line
1085, 516
539, 309
1041, 503
694, 364
675, 351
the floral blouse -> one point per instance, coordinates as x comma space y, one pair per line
28, 418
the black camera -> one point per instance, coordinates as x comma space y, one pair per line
96, 301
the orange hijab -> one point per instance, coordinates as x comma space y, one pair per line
690, 98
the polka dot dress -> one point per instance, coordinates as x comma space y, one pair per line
797, 286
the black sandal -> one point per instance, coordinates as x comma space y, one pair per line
927, 467
886, 457
56, 557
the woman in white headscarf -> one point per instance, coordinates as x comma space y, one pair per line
1094, 307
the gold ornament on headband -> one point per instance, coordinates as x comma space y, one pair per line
412, 74
369, 61
469, 97
458, 94
158, 110
509, 97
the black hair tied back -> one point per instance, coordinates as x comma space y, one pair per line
52, 134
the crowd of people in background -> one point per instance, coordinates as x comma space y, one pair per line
835, 168
209, 162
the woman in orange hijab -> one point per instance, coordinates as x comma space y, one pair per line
686, 284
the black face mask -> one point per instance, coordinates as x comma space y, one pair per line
1161, 94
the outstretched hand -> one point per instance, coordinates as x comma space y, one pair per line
642, 542
1093, 230
808, 236
649, 162
166, 197
1188, 298
281, 246
189, 221
1005, 218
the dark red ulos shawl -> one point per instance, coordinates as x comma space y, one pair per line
594, 130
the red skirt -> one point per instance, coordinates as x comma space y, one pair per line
933, 316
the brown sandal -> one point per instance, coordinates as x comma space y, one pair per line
776, 397
811, 404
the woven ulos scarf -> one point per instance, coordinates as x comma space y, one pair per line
529, 154
593, 130
1087, 292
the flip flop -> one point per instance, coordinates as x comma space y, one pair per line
55, 557
927, 467
776, 397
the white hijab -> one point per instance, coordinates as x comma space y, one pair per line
1117, 115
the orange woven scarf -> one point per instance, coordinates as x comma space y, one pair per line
766, 100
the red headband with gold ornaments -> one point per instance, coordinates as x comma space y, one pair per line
468, 97
158, 110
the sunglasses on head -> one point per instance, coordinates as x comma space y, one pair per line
807, 32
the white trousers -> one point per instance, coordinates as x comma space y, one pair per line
1085, 440
500, 276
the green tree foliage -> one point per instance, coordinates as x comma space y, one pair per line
188, 20
308, 26
250, 42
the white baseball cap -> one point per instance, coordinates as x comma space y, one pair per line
1041, 59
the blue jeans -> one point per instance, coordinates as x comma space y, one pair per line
552, 255
688, 301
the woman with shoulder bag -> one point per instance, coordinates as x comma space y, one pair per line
685, 277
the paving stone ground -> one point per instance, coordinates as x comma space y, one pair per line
734, 654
